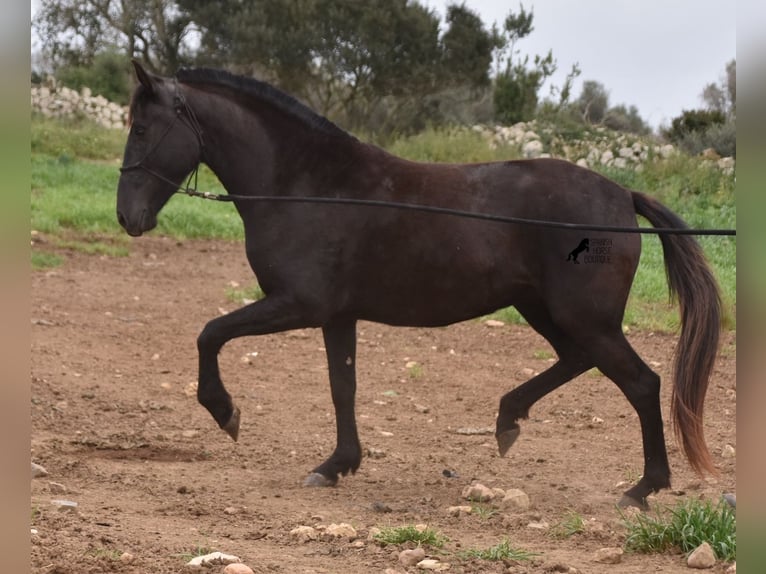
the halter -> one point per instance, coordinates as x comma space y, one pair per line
185, 114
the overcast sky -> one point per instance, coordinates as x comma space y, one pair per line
655, 54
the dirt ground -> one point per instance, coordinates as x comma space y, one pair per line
117, 426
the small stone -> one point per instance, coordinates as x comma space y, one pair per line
231, 510
478, 493
608, 555
190, 433
65, 505
373, 532
731, 499
411, 557
304, 533
38, 471
237, 568
728, 451
422, 409
538, 525
431, 564
458, 510
57, 488
127, 558
342, 530
494, 323
701, 557
469, 431
732, 569
212, 559
516, 499
376, 452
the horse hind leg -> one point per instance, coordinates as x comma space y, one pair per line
615, 357
515, 404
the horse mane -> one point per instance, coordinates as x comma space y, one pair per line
262, 91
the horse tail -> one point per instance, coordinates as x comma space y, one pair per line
691, 282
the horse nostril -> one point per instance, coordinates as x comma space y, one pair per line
121, 219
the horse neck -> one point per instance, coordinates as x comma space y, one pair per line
259, 150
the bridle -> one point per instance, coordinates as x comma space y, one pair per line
184, 114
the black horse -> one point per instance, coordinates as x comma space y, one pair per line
329, 266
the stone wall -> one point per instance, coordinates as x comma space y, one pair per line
53, 101
601, 146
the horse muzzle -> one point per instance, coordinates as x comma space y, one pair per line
136, 226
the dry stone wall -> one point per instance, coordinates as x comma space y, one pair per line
54, 101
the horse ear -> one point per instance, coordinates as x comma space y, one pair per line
143, 76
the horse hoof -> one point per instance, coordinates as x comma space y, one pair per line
506, 439
232, 427
316, 479
628, 501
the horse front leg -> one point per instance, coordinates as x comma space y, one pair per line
270, 315
340, 345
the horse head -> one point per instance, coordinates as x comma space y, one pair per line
164, 146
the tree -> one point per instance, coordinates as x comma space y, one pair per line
593, 102
517, 85
74, 32
467, 48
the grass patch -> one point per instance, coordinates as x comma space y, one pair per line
501, 551
410, 533
45, 260
75, 138
245, 295
484, 511
572, 523
685, 526
450, 146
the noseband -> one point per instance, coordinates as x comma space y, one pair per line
185, 114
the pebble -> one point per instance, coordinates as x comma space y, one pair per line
237, 568
431, 564
608, 555
475, 431
342, 530
65, 505
213, 558
458, 510
57, 488
516, 499
494, 323
732, 569
701, 557
728, 451
411, 557
731, 499
478, 493
127, 558
304, 533
38, 471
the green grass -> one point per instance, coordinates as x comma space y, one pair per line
685, 526
410, 533
572, 523
501, 551
484, 511
44, 260
75, 138
251, 292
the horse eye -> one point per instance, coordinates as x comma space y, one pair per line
139, 130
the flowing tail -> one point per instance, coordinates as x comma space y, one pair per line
692, 283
